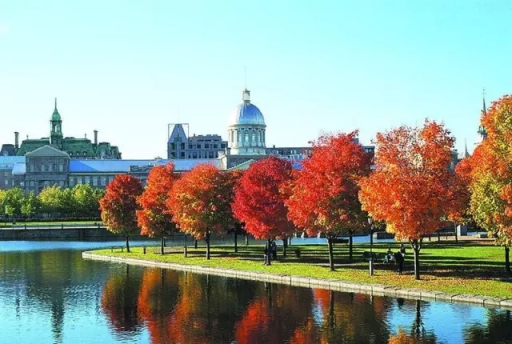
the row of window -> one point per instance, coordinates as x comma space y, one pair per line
193, 155
91, 180
181, 146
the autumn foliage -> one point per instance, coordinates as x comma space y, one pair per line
201, 202
119, 205
154, 218
259, 199
491, 173
411, 187
324, 197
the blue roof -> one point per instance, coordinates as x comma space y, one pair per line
19, 168
123, 166
247, 113
9, 161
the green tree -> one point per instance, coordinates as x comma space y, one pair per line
50, 199
86, 200
29, 205
12, 201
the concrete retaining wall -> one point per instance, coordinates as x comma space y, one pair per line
56, 233
337, 285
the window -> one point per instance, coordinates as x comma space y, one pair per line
190, 147
61, 167
103, 180
6, 182
222, 145
31, 183
6, 174
87, 180
215, 146
79, 180
110, 178
182, 155
206, 145
22, 183
71, 182
50, 167
182, 146
173, 146
61, 183
31, 167
94, 181
199, 146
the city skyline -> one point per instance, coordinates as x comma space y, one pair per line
129, 69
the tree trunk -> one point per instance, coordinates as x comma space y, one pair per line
162, 245
416, 247
331, 257
285, 245
247, 240
236, 242
207, 245
350, 247
456, 236
507, 259
127, 244
195, 243
269, 252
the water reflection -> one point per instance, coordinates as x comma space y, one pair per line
54, 296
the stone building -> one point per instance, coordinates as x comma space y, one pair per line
74, 147
182, 146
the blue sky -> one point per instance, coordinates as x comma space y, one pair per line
128, 68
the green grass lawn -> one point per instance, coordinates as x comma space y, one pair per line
465, 268
48, 223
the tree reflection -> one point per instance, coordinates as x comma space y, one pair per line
498, 329
157, 297
417, 334
274, 315
119, 301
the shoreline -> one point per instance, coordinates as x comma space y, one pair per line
335, 285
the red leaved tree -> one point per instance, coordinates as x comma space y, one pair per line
154, 218
325, 193
201, 202
410, 188
259, 200
119, 205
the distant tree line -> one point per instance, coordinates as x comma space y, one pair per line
52, 203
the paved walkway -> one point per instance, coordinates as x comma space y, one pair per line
337, 285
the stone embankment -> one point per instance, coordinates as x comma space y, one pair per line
336, 285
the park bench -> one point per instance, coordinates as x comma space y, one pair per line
112, 248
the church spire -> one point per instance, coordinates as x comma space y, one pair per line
55, 104
484, 108
466, 153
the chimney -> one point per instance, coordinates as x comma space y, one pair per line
96, 137
16, 140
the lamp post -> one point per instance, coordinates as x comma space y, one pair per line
370, 222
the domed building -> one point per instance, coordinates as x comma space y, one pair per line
246, 129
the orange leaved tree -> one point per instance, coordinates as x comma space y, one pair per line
324, 196
119, 205
259, 201
491, 175
410, 188
154, 218
201, 202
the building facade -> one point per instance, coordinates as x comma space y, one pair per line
183, 146
66, 162
74, 147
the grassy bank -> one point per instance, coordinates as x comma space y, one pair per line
465, 268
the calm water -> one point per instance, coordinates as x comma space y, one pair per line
49, 294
